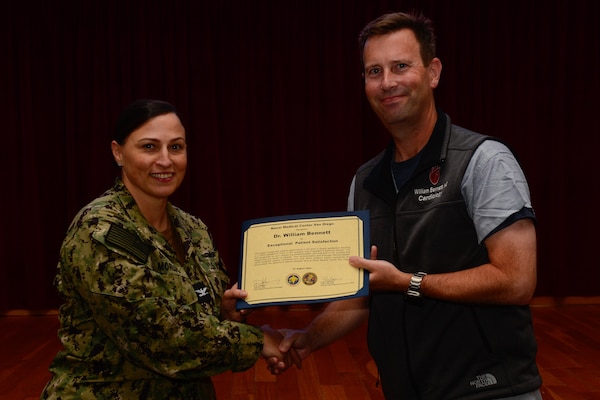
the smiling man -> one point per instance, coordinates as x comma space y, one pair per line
453, 265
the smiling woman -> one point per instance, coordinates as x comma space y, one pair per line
153, 158
147, 307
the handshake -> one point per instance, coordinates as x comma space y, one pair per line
284, 348
281, 348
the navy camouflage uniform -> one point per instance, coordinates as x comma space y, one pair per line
136, 323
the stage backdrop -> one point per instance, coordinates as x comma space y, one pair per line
272, 99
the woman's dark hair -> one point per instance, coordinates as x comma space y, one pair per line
137, 114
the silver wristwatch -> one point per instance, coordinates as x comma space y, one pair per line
414, 286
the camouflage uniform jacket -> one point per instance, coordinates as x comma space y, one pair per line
136, 324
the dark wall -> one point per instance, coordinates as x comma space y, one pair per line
273, 102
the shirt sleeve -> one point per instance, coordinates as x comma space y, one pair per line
351, 194
494, 187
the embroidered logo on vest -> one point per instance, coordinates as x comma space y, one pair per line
484, 380
434, 175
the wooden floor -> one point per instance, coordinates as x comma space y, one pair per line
568, 339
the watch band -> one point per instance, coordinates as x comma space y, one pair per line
414, 286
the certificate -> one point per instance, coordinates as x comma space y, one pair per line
303, 258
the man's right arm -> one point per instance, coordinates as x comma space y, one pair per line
338, 319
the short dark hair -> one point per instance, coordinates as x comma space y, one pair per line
392, 22
137, 114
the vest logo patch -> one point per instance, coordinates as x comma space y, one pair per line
484, 380
202, 292
434, 175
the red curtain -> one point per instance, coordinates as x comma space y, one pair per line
272, 99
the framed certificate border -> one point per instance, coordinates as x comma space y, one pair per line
303, 258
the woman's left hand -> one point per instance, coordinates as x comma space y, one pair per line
228, 304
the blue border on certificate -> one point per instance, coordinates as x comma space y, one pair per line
363, 215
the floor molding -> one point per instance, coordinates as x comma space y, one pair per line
565, 301
27, 313
540, 301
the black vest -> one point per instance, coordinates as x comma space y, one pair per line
425, 348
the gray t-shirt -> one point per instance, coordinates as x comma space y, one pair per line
494, 187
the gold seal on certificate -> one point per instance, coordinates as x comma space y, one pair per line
303, 258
